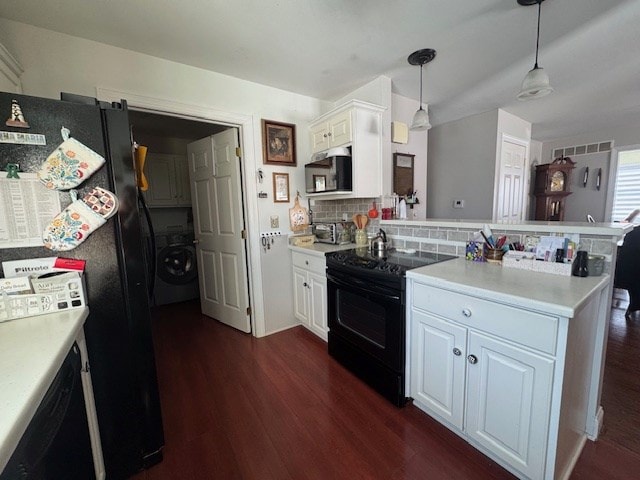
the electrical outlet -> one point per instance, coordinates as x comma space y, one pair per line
275, 221
458, 203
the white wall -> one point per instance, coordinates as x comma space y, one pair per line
462, 161
55, 62
621, 136
403, 109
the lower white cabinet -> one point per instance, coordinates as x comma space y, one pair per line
495, 393
310, 292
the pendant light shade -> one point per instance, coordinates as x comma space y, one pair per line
536, 82
421, 117
421, 120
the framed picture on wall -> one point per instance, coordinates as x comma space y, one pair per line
281, 187
278, 143
403, 173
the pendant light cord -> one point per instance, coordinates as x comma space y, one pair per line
538, 35
421, 65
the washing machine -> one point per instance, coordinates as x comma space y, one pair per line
176, 269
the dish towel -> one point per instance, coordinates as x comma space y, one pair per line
402, 210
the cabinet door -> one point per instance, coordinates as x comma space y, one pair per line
183, 187
318, 304
438, 366
301, 295
340, 129
508, 401
320, 137
161, 176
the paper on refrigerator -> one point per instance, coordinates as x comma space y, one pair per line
26, 208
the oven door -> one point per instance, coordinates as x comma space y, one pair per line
369, 316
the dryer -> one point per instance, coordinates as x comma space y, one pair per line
176, 269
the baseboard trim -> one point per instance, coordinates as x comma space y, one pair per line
593, 432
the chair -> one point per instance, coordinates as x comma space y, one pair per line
627, 274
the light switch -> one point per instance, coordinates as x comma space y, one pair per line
275, 221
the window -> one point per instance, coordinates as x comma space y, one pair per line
627, 188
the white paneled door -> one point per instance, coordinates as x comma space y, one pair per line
512, 188
216, 193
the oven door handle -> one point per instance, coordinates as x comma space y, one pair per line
362, 286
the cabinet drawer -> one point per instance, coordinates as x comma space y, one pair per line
310, 262
522, 326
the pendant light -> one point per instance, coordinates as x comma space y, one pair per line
421, 117
536, 82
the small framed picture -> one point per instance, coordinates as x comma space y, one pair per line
281, 187
278, 143
320, 183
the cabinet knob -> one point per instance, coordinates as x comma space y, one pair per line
305, 284
466, 312
457, 352
329, 134
472, 359
324, 135
306, 262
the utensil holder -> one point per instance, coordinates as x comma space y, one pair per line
493, 255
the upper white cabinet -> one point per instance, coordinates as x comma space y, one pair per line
168, 178
357, 125
333, 132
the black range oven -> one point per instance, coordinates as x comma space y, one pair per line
366, 310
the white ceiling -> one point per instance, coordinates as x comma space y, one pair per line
326, 48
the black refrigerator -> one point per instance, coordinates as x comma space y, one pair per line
118, 329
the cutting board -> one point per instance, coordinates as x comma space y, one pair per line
298, 216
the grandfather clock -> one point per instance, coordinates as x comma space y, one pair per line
552, 188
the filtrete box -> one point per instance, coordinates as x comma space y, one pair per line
57, 286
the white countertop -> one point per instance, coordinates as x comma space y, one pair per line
554, 294
31, 352
319, 249
612, 229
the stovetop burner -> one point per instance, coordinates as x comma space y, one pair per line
395, 263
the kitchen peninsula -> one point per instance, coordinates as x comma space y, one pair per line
511, 360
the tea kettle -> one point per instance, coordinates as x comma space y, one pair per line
379, 244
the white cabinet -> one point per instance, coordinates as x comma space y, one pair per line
357, 125
168, 178
310, 292
332, 132
474, 366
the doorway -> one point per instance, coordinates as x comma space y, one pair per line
177, 230
248, 127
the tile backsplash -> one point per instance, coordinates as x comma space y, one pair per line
440, 239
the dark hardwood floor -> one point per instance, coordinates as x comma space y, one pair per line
237, 407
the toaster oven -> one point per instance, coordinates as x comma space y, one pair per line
328, 232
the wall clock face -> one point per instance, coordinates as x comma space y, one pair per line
557, 182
